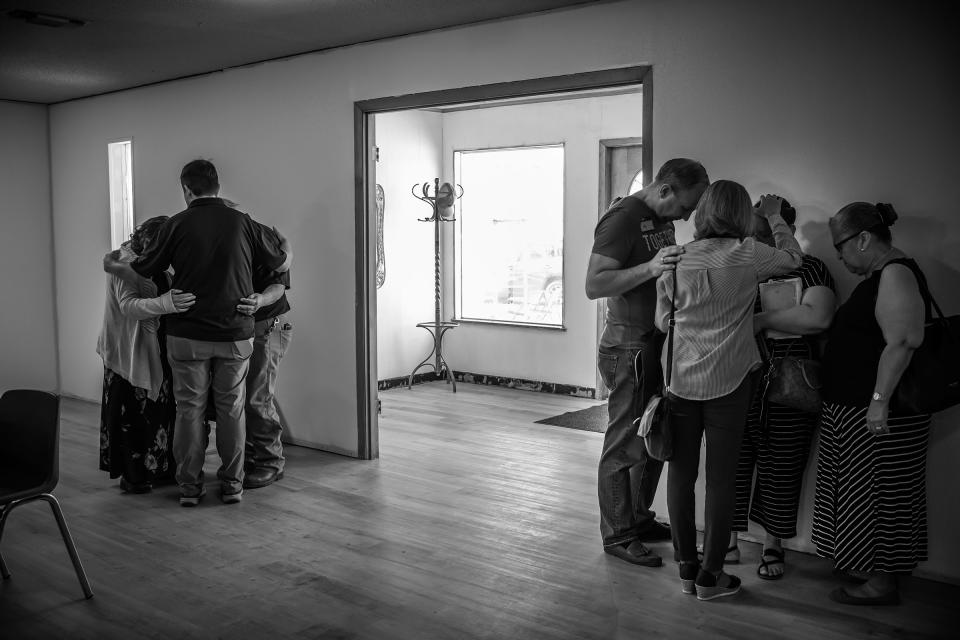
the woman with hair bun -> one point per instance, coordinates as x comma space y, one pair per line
870, 508
138, 410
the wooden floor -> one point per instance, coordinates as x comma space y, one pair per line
474, 523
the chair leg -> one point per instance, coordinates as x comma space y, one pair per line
3, 520
68, 540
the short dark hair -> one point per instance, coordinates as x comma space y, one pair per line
724, 211
863, 216
200, 177
682, 174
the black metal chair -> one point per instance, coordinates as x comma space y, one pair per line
30, 462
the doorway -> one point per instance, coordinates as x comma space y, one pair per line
366, 204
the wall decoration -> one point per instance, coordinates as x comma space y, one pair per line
381, 257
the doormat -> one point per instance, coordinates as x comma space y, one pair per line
591, 419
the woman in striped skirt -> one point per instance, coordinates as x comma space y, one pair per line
776, 442
870, 509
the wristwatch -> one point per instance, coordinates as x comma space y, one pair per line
877, 396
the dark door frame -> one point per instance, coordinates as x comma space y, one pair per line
606, 147
368, 446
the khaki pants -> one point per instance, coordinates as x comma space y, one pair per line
198, 366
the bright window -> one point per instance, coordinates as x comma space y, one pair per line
510, 235
120, 171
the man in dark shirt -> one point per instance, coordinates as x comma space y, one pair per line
633, 244
272, 332
214, 250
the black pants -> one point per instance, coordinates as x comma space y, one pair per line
721, 421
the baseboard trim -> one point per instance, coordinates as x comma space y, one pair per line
499, 381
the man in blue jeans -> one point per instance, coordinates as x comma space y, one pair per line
272, 331
633, 244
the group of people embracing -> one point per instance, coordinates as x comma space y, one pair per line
200, 344
870, 506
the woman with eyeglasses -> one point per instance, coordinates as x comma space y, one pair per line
138, 409
870, 508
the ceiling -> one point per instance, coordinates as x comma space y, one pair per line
131, 43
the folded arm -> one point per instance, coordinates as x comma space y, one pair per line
813, 315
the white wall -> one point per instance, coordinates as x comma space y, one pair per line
27, 321
824, 102
550, 355
409, 143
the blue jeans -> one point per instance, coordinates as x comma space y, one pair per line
199, 366
627, 477
270, 341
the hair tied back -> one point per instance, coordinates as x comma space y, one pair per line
887, 213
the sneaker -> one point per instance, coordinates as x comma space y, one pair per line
192, 501
656, 532
635, 553
232, 497
710, 586
688, 575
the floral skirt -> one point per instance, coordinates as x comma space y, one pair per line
136, 433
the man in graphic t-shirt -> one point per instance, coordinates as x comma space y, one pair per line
214, 250
633, 244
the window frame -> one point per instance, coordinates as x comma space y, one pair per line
458, 244
130, 179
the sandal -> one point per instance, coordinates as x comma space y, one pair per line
763, 569
732, 555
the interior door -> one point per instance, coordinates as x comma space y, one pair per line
621, 166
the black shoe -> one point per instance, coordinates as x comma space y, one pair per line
635, 553
656, 532
135, 487
710, 586
261, 477
890, 598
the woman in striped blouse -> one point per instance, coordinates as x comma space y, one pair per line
870, 511
715, 355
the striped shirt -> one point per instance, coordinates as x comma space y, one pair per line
714, 346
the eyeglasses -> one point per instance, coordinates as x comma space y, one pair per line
837, 245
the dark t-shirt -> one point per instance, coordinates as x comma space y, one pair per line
631, 233
855, 342
213, 249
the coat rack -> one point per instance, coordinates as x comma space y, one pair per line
441, 205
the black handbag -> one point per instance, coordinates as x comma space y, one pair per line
931, 382
792, 382
655, 423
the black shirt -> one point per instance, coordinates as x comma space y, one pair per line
214, 250
855, 342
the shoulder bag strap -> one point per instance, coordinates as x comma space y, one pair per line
670, 328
